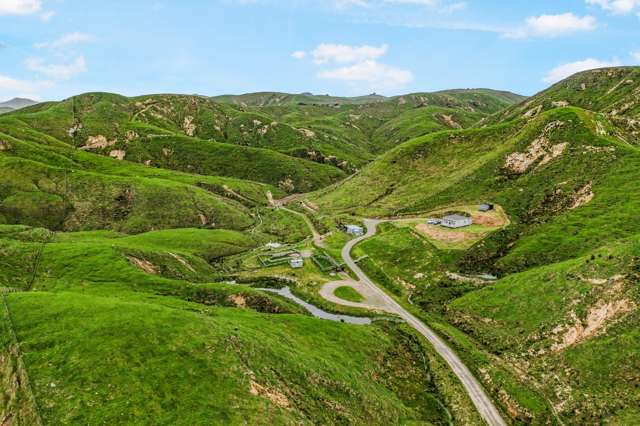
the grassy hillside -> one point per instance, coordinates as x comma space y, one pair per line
320, 140
555, 338
84, 369
262, 99
554, 175
358, 126
47, 183
160, 131
612, 92
121, 328
580, 351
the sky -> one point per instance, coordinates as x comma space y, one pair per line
53, 49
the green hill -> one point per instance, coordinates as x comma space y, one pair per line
132, 232
133, 130
555, 338
195, 134
612, 92
132, 326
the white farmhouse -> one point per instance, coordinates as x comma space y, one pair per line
456, 221
354, 230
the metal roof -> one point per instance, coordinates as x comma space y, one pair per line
455, 217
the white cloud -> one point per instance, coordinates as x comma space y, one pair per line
19, 7
553, 26
565, 70
414, 2
46, 16
442, 6
371, 72
454, 7
372, 3
636, 56
345, 54
619, 7
58, 71
345, 4
358, 64
66, 40
11, 87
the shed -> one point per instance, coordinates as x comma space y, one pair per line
296, 262
354, 230
456, 221
485, 207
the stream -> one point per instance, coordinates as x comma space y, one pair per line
315, 311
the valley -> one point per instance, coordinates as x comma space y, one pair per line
161, 257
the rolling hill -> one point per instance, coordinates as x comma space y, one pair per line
121, 220
554, 339
132, 233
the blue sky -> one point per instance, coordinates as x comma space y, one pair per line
52, 49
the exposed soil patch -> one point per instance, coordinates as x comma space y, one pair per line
270, 198
308, 133
188, 126
597, 319
182, 261
449, 121
582, 196
539, 150
97, 142
488, 220
4, 145
131, 135
287, 185
145, 265
444, 235
533, 112
238, 300
118, 154
271, 394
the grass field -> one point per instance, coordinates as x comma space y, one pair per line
348, 293
85, 369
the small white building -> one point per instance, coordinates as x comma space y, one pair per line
296, 262
456, 221
434, 221
354, 230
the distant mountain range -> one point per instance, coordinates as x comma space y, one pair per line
15, 103
260, 99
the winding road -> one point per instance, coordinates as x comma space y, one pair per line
383, 301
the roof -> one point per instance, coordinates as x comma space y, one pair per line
455, 217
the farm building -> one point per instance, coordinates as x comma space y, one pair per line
354, 230
456, 221
296, 262
485, 207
